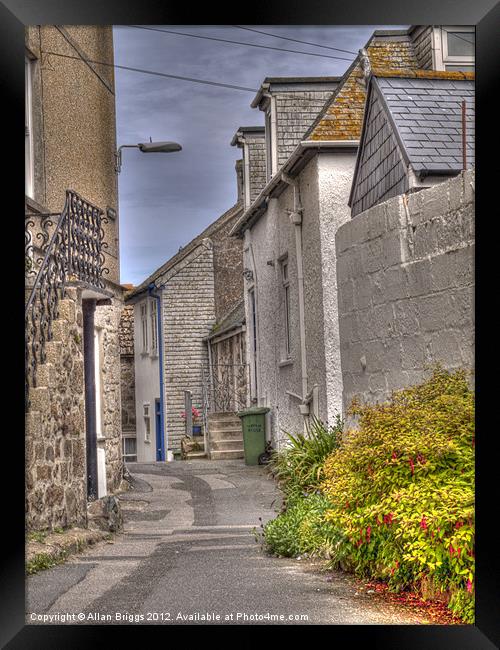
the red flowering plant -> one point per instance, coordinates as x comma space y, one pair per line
194, 412
407, 474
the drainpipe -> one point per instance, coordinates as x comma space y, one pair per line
296, 218
90, 401
163, 437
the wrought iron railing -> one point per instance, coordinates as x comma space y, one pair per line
226, 387
58, 248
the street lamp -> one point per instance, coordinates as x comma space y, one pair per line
146, 147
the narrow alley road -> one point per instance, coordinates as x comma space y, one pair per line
188, 554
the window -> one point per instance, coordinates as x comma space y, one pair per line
144, 326
154, 327
28, 127
458, 46
147, 423
286, 303
129, 449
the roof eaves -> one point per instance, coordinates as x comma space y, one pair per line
300, 156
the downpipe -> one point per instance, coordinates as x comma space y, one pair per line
164, 435
296, 219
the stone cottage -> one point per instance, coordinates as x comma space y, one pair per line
288, 231
176, 309
73, 296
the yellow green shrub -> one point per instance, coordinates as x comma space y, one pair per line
401, 490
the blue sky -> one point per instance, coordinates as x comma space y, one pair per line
167, 199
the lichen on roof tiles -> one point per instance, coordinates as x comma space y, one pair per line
342, 118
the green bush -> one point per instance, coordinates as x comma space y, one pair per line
401, 490
301, 528
299, 466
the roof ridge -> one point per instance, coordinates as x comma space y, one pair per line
423, 74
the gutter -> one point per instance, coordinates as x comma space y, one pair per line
301, 155
163, 437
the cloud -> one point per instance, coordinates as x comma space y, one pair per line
167, 199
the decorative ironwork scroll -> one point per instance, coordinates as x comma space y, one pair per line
67, 247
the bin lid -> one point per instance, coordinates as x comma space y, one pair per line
254, 410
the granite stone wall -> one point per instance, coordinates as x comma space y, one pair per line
107, 319
406, 289
56, 491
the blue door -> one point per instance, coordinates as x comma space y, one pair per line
159, 437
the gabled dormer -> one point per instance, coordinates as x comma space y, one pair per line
251, 139
444, 47
290, 105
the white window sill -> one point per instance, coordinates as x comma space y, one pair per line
285, 363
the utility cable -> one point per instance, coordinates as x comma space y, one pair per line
152, 72
295, 40
224, 40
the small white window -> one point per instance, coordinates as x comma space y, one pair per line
154, 327
129, 449
144, 326
286, 304
458, 46
147, 423
28, 127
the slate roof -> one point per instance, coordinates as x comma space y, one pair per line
234, 318
426, 109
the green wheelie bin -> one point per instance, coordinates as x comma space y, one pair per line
253, 423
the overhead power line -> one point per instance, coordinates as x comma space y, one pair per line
225, 40
295, 40
153, 72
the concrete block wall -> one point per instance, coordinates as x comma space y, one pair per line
405, 274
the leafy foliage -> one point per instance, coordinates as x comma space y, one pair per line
401, 489
299, 467
301, 528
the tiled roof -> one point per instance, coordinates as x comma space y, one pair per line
234, 318
342, 117
426, 108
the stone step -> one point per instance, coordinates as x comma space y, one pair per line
226, 454
195, 454
222, 445
225, 434
224, 424
222, 415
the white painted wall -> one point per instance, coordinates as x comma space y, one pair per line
147, 389
335, 173
324, 189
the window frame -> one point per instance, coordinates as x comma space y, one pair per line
143, 310
146, 416
29, 167
153, 321
285, 285
455, 61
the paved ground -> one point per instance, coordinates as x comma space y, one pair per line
188, 554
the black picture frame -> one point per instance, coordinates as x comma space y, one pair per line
485, 14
